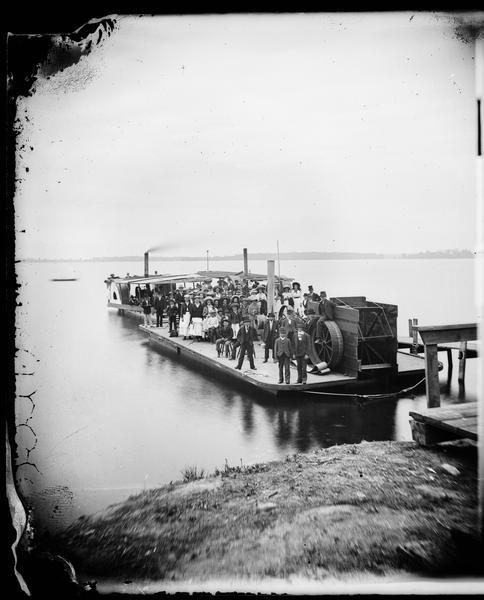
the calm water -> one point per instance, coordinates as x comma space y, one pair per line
109, 415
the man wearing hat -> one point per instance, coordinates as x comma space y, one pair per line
326, 310
312, 294
224, 337
326, 307
283, 351
159, 304
246, 338
269, 336
300, 348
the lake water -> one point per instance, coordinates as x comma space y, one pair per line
102, 414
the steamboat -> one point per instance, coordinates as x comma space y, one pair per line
357, 345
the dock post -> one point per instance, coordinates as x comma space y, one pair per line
462, 361
414, 349
450, 367
270, 285
432, 376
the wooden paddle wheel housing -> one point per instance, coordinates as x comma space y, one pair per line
362, 336
326, 342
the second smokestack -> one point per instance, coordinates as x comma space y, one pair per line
147, 268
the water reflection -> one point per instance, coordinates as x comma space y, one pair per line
298, 423
301, 424
247, 413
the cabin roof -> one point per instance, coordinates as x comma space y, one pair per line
198, 276
160, 278
261, 276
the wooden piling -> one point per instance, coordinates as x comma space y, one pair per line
450, 367
432, 376
462, 361
431, 337
414, 336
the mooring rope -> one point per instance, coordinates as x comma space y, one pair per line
367, 396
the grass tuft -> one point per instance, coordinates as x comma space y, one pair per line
191, 473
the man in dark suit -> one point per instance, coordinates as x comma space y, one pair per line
269, 336
283, 351
312, 294
326, 307
326, 310
300, 348
159, 305
246, 338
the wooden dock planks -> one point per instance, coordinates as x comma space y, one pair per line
431, 425
473, 347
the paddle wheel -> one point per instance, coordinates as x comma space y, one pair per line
361, 335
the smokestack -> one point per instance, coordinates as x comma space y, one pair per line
147, 268
246, 262
270, 285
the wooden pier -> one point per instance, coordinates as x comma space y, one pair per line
436, 424
433, 425
466, 348
265, 377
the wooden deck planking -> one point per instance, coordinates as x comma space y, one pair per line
460, 420
267, 374
265, 377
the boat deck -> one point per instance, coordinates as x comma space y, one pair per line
266, 375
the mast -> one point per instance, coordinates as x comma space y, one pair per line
278, 266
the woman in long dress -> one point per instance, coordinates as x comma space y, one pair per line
210, 320
287, 299
185, 316
297, 298
196, 319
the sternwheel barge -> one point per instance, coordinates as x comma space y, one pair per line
352, 339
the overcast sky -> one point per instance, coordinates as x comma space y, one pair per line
327, 132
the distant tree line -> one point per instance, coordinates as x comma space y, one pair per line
450, 253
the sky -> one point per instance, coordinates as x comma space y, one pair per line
325, 132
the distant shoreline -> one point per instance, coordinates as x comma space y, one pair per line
262, 256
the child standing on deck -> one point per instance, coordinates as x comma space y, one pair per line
172, 313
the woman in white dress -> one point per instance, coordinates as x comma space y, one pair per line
184, 316
210, 320
297, 298
287, 296
196, 322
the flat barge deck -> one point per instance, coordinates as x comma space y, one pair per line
265, 377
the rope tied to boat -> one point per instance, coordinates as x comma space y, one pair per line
369, 396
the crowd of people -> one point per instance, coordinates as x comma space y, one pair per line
232, 316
